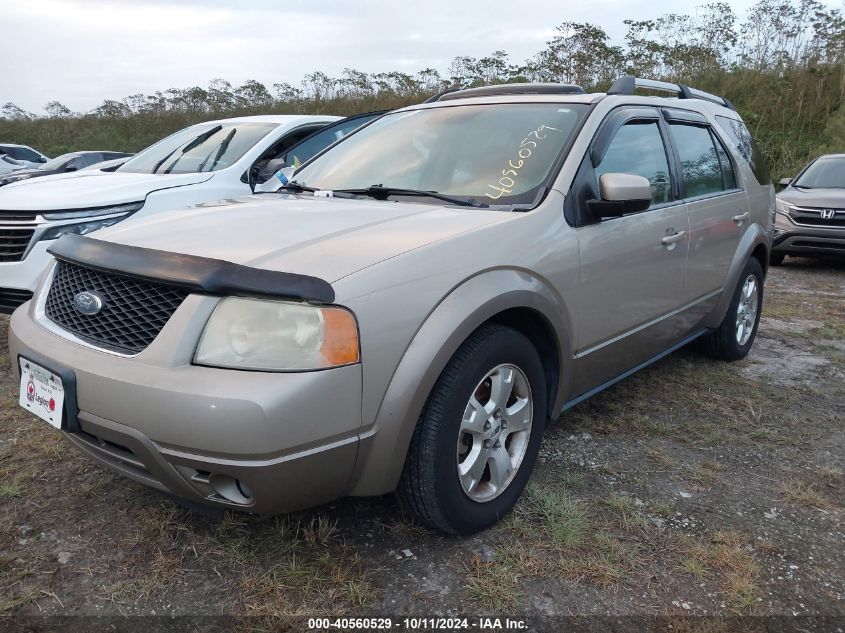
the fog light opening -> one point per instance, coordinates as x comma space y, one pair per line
231, 489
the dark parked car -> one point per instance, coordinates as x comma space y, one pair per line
72, 161
810, 218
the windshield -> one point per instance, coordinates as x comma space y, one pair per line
825, 173
57, 163
206, 147
498, 154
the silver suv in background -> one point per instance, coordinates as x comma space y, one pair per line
412, 308
810, 218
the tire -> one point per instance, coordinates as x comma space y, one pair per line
776, 259
726, 342
430, 487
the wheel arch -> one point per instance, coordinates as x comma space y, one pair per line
754, 243
529, 305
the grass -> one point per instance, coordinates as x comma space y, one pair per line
492, 587
11, 489
800, 493
625, 510
562, 517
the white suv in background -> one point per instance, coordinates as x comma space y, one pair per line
204, 162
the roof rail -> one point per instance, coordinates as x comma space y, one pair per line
508, 89
437, 96
628, 84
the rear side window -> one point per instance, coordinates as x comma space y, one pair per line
638, 149
88, 159
21, 153
751, 154
702, 172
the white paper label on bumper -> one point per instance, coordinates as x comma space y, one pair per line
41, 392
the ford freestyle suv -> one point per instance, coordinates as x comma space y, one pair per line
810, 220
412, 308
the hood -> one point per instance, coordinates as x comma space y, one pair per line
827, 198
328, 238
83, 189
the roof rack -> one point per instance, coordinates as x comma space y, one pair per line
628, 84
507, 89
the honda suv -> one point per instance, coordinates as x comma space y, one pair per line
412, 308
810, 220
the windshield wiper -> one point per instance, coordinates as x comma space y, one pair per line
380, 192
223, 147
295, 187
197, 141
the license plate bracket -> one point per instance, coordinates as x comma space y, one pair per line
70, 410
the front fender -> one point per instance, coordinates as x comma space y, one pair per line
384, 444
752, 238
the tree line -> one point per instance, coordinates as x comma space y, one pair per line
782, 64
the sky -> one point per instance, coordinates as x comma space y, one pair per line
81, 52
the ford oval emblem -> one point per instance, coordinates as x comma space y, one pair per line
88, 303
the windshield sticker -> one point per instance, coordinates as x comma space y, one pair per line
505, 185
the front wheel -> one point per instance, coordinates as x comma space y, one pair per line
733, 339
477, 438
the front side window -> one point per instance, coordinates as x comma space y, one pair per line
638, 149
496, 154
200, 148
702, 172
317, 142
825, 173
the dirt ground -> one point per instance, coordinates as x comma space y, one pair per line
694, 488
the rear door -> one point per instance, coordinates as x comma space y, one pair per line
718, 206
632, 267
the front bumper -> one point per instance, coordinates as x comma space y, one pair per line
790, 238
291, 439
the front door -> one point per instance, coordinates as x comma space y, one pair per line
632, 267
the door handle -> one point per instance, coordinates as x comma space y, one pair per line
671, 240
742, 217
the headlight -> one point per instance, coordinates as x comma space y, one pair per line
116, 214
270, 335
783, 206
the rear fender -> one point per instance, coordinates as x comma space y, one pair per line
751, 239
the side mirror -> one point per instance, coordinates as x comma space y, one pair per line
71, 168
785, 182
621, 194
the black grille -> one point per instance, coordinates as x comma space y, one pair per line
11, 298
13, 243
813, 218
133, 312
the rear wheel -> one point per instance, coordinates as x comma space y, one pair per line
477, 438
776, 259
733, 339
